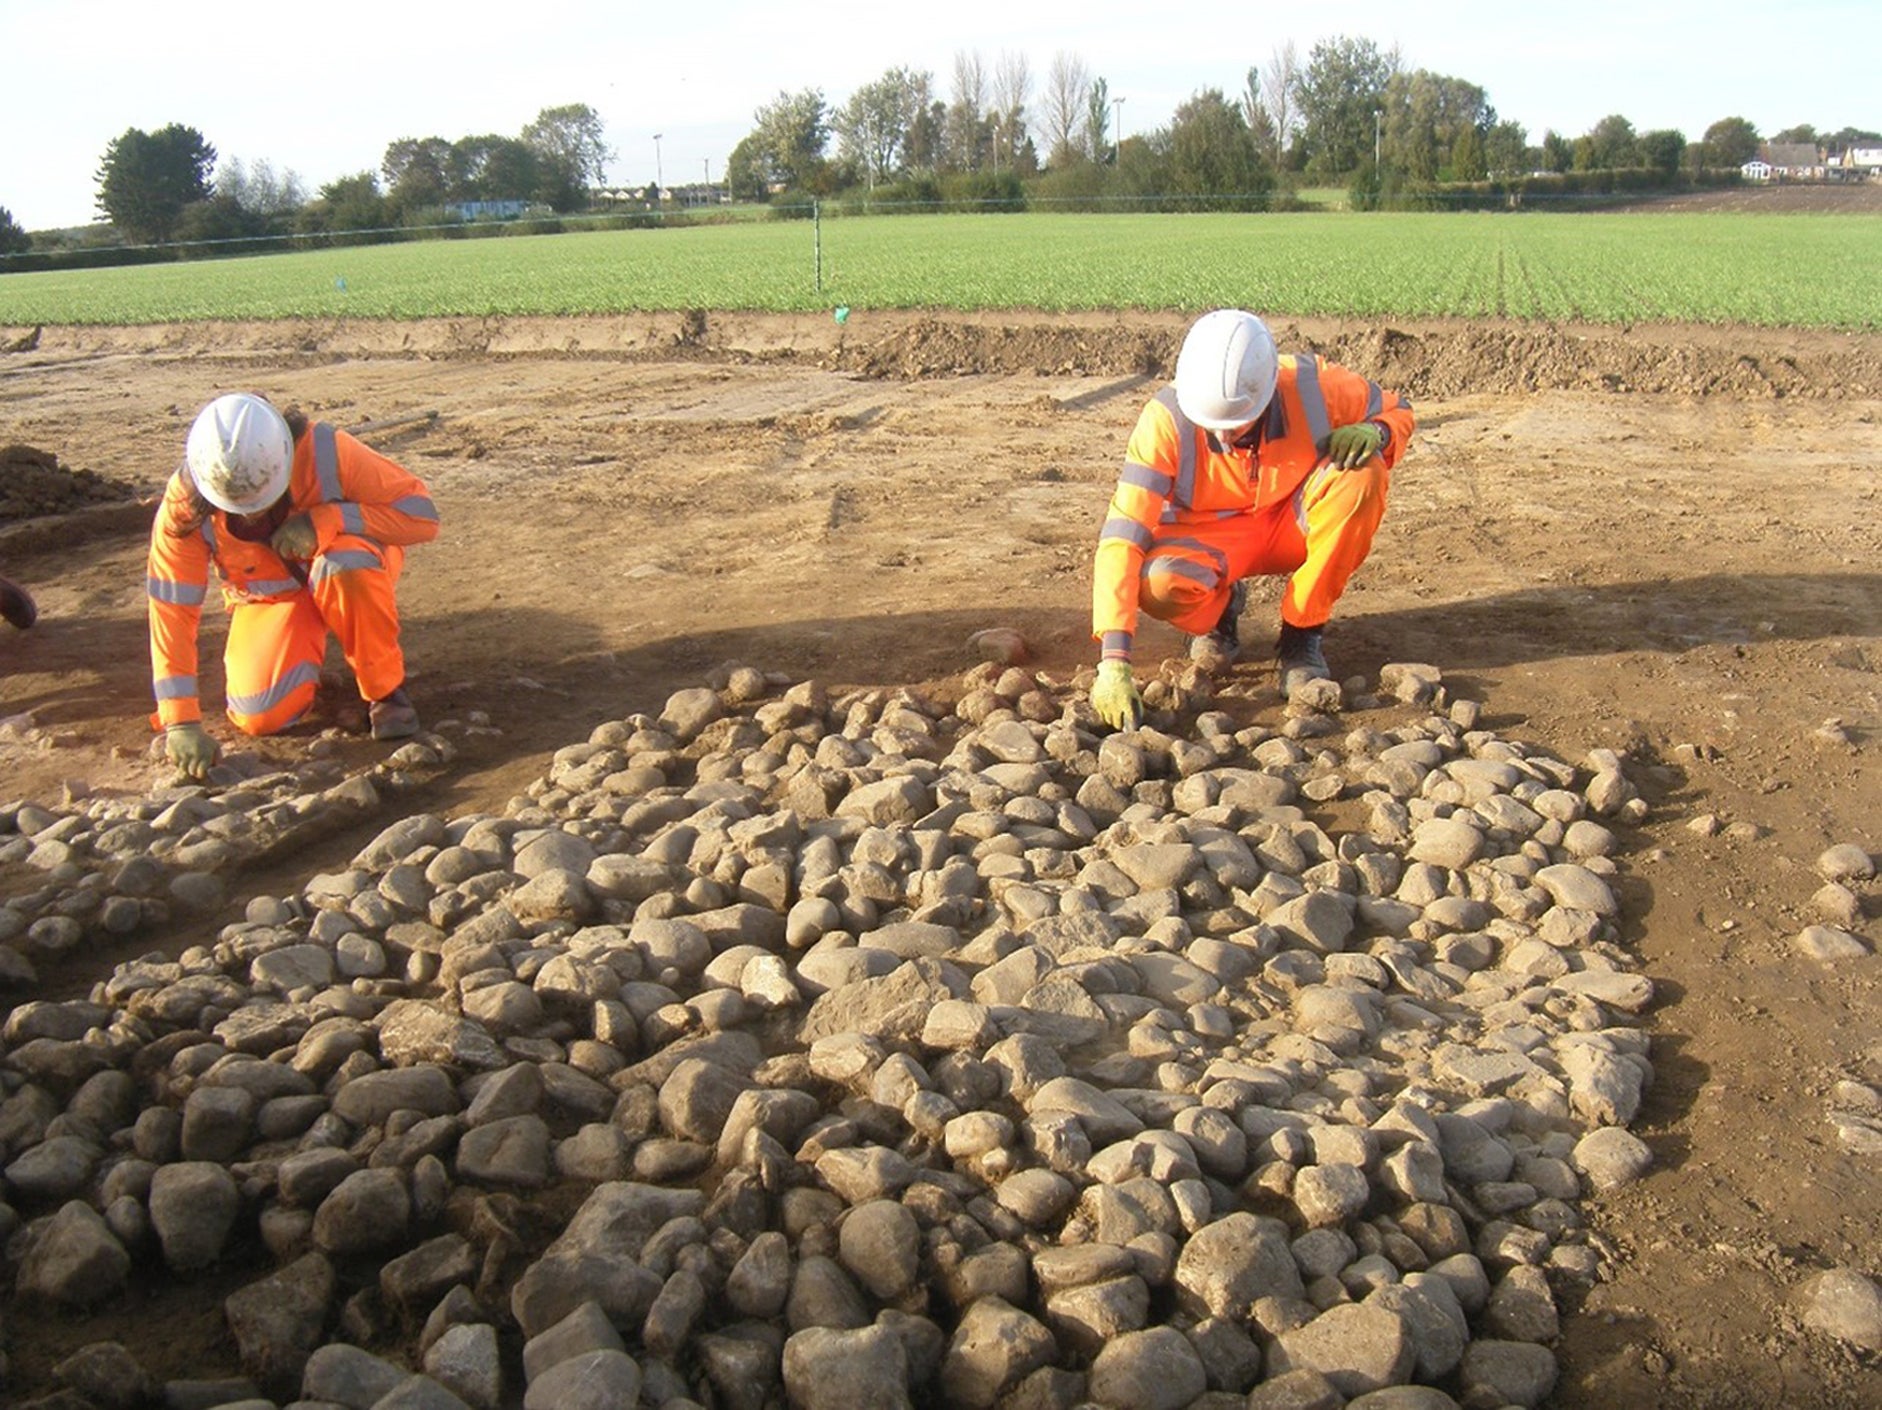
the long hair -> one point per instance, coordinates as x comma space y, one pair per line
200, 509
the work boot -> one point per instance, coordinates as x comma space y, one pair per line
394, 716
17, 605
1217, 648
1300, 658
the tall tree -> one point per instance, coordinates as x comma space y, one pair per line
1730, 141
1506, 150
966, 136
255, 188
1662, 149
1274, 89
874, 128
1558, 153
1012, 90
350, 203
1425, 117
1338, 94
1802, 135
927, 132
13, 239
1210, 150
788, 138
1608, 146
1068, 87
1098, 121
571, 153
418, 173
147, 178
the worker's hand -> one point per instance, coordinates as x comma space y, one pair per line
1352, 446
1114, 696
191, 749
296, 538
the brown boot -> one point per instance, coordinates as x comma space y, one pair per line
394, 716
17, 605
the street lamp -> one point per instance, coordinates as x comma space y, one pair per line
659, 181
1117, 129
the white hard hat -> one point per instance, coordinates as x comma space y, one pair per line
239, 453
1226, 369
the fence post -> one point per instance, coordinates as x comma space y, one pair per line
816, 240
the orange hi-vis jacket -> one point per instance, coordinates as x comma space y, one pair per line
350, 493
1180, 484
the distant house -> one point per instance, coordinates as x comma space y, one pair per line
1794, 161
1859, 162
1757, 169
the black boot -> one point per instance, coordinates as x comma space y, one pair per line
1221, 644
1300, 657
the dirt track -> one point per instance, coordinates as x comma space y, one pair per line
1663, 541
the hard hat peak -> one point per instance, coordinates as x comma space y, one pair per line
1226, 369
239, 453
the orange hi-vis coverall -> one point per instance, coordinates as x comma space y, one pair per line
365, 510
1191, 516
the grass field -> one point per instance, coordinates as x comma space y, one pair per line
1801, 271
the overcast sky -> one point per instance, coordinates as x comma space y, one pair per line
321, 89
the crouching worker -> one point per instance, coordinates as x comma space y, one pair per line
307, 529
1252, 463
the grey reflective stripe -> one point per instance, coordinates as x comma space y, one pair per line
1312, 400
1114, 642
181, 594
1375, 400
1184, 492
352, 517
303, 674
1182, 568
269, 587
1144, 478
418, 506
209, 535
1127, 529
327, 463
343, 561
1209, 550
1307, 486
175, 688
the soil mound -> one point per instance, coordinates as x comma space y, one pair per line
1435, 361
33, 483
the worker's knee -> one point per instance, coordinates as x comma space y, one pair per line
1165, 596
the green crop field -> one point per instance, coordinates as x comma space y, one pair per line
1811, 271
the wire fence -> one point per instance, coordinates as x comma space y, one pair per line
1604, 191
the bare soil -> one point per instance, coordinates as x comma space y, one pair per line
1662, 540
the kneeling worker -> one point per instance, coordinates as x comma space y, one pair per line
1250, 463
307, 529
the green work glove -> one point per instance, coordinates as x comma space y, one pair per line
296, 538
1351, 446
1114, 696
191, 749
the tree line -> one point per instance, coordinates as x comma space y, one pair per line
1000, 137
1347, 112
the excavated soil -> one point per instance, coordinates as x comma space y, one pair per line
1662, 540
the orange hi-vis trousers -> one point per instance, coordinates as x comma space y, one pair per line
272, 660
1319, 536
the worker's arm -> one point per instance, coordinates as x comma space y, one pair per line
380, 500
1143, 487
1358, 402
176, 581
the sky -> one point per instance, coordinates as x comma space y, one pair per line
320, 90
